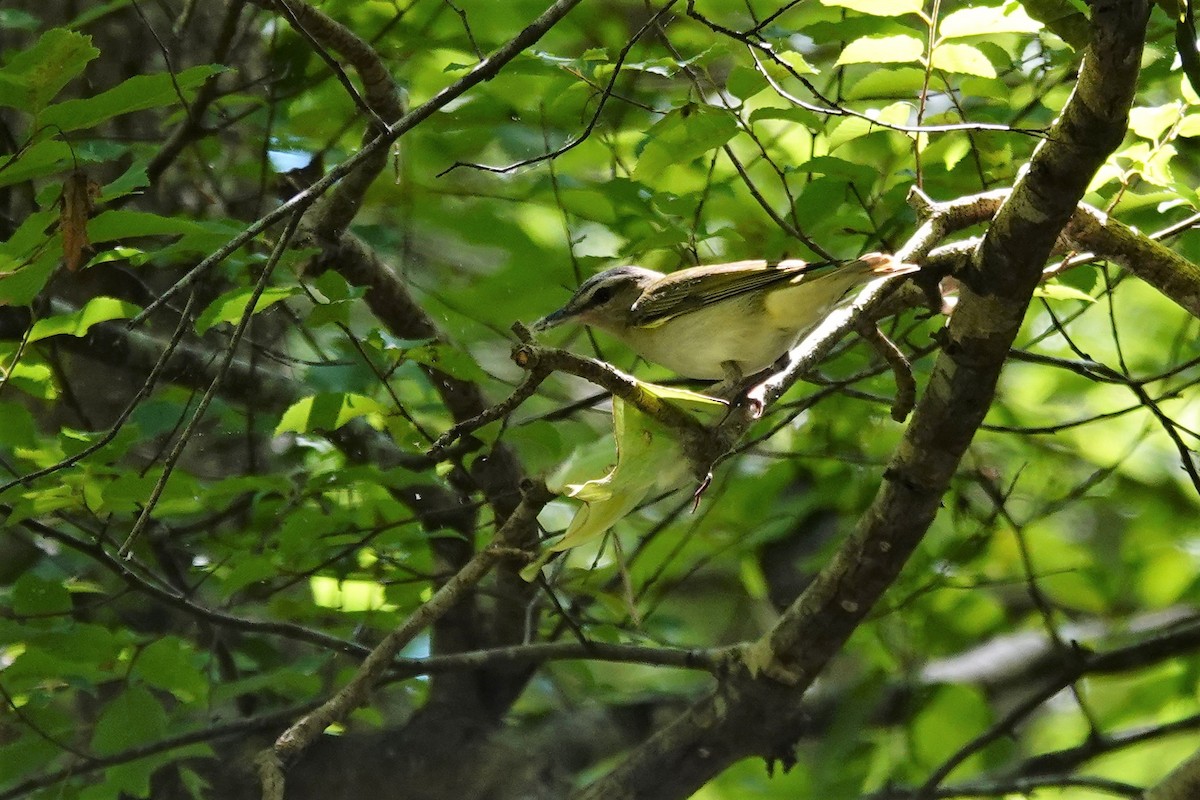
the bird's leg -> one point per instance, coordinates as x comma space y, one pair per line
732, 381
733, 387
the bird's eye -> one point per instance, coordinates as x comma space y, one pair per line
601, 295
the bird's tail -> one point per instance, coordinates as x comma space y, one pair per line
812, 296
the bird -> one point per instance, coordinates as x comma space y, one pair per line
720, 321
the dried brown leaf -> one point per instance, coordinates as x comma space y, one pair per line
78, 198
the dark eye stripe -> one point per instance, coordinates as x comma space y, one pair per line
601, 295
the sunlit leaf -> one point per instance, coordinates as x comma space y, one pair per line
230, 306
980, 20
78, 323
879, 8
964, 59
649, 460
326, 412
681, 136
883, 49
1060, 291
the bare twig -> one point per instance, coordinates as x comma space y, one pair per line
906, 386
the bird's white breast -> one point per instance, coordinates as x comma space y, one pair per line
697, 343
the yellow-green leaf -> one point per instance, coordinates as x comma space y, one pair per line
883, 50
77, 323
649, 460
988, 20
230, 306
1149, 122
327, 411
1060, 291
963, 59
878, 8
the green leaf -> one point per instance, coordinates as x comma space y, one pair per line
17, 427
36, 596
326, 412
951, 717
435, 355
1150, 122
230, 306
855, 127
898, 49
35, 380
170, 664
47, 157
131, 718
1189, 126
348, 595
963, 59
130, 182
15, 19
33, 77
78, 323
134, 94
649, 460
878, 8
987, 21
681, 136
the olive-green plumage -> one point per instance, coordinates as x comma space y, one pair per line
723, 320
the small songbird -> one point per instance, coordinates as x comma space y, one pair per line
723, 321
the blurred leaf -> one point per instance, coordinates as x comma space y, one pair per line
964, 59
681, 136
133, 94
954, 716
231, 306
879, 8
1059, 291
1010, 17
348, 595
1151, 122
1067, 19
326, 412
883, 50
131, 718
36, 597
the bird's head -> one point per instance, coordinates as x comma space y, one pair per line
603, 300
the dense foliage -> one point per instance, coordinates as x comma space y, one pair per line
214, 507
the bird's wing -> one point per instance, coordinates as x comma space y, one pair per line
694, 288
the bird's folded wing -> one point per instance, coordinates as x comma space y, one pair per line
691, 289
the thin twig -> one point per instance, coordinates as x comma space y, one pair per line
143, 519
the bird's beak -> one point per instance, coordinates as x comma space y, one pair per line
551, 320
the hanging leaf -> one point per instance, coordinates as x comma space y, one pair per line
650, 460
78, 197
